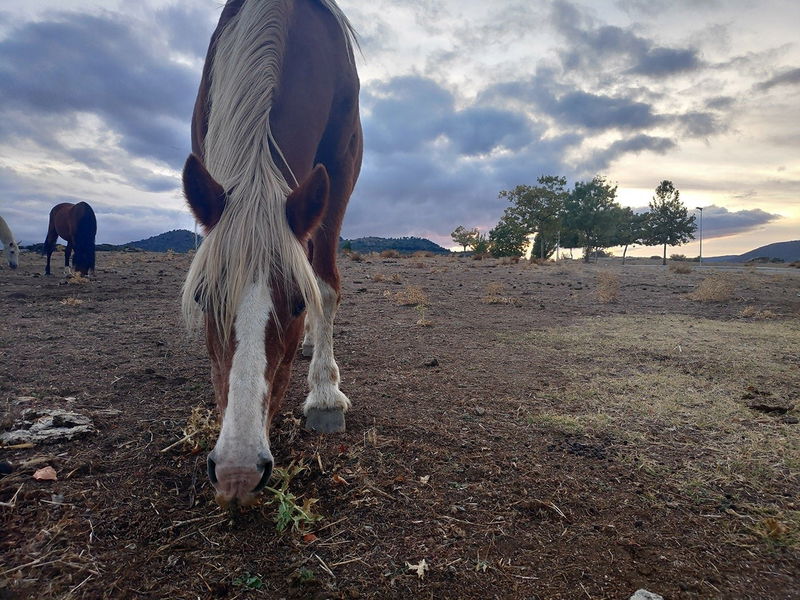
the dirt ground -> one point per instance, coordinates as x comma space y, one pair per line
562, 431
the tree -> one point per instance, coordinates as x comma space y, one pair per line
537, 208
668, 223
545, 244
465, 237
628, 229
481, 244
509, 237
589, 211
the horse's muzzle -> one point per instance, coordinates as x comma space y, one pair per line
238, 483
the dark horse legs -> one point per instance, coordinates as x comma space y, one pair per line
67, 255
50, 244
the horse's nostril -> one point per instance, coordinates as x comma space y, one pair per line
265, 463
212, 473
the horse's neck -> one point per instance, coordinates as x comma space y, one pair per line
5, 233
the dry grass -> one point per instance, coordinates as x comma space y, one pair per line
381, 278
76, 278
495, 294
390, 254
751, 312
202, 429
684, 378
423, 254
355, 256
423, 321
411, 295
72, 301
714, 288
681, 269
795, 264
607, 287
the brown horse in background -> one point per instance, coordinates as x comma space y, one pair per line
77, 225
277, 145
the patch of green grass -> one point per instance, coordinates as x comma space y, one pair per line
289, 513
250, 581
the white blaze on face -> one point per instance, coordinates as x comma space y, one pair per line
244, 435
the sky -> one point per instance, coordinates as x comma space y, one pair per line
460, 99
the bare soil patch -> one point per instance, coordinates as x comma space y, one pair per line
567, 441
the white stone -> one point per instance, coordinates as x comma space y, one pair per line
645, 595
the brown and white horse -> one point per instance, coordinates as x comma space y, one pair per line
276, 151
77, 225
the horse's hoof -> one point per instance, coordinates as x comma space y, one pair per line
308, 350
325, 420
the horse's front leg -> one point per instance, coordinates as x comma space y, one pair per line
326, 404
67, 256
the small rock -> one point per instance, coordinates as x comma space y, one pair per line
6, 468
47, 426
431, 363
645, 595
790, 420
479, 410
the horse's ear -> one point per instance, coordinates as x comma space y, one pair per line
205, 196
307, 203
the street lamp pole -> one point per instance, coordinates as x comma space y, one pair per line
700, 208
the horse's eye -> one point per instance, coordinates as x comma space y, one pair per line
299, 307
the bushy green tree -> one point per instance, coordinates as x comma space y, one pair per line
538, 208
628, 229
668, 222
509, 237
589, 211
481, 245
465, 237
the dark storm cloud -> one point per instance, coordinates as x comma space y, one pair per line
592, 44
72, 64
718, 221
720, 102
699, 124
571, 107
407, 113
633, 145
598, 112
183, 28
790, 77
431, 163
659, 62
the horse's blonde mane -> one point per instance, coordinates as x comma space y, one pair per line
5, 233
252, 240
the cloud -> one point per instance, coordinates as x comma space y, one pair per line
602, 159
570, 107
790, 77
718, 221
429, 159
591, 45
27, 200
72, 64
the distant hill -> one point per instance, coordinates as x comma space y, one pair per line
785, 251
405, 245
178, 240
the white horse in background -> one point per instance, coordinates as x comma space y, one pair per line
10, 245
